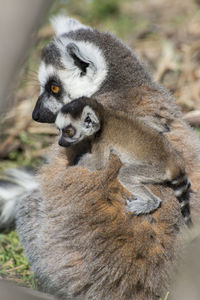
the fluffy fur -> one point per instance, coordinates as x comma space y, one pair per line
145, 153
13, 185
62, 25
155, 101
98, 251
87, 246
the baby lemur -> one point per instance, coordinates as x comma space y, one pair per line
93, 132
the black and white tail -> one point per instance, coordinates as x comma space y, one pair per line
181, 188
14, 184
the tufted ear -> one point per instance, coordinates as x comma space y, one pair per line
80, 60
90, 120
62, 24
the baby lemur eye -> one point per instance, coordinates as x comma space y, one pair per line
69, 131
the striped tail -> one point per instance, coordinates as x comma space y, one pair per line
181, 188
14, 184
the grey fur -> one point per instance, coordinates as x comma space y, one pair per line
51, 55
84, 247
145, 153
120, 63
126, 63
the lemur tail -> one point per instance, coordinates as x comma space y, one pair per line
14, 184
182, 192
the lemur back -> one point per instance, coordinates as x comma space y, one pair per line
146, 154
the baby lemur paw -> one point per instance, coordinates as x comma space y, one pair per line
140, 206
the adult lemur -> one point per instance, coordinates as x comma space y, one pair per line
145, 153
80, 242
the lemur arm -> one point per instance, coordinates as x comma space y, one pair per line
155, 123
132, 178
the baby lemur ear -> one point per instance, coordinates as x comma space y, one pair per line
89, 118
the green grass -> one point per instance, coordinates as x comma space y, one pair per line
13, 264
197, 130
166, 296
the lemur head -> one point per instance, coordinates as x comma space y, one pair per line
79, 120
81, 61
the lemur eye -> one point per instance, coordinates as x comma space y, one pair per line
54, 88
70, 131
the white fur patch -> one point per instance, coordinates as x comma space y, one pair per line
52, 104
44, 72
62, 120
86, 85
62, 24
7, 215
76, 85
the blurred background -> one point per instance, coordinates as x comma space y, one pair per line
165, 34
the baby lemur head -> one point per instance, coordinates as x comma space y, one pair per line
79, 120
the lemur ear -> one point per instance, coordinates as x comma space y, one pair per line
80, 60
89, 118
62, 24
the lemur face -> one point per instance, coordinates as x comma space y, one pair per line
81, 61
74, 127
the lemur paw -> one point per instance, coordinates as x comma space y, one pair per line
139, 205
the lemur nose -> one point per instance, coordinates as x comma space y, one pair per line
63, 143
36, 115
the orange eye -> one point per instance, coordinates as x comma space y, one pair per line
55, 89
